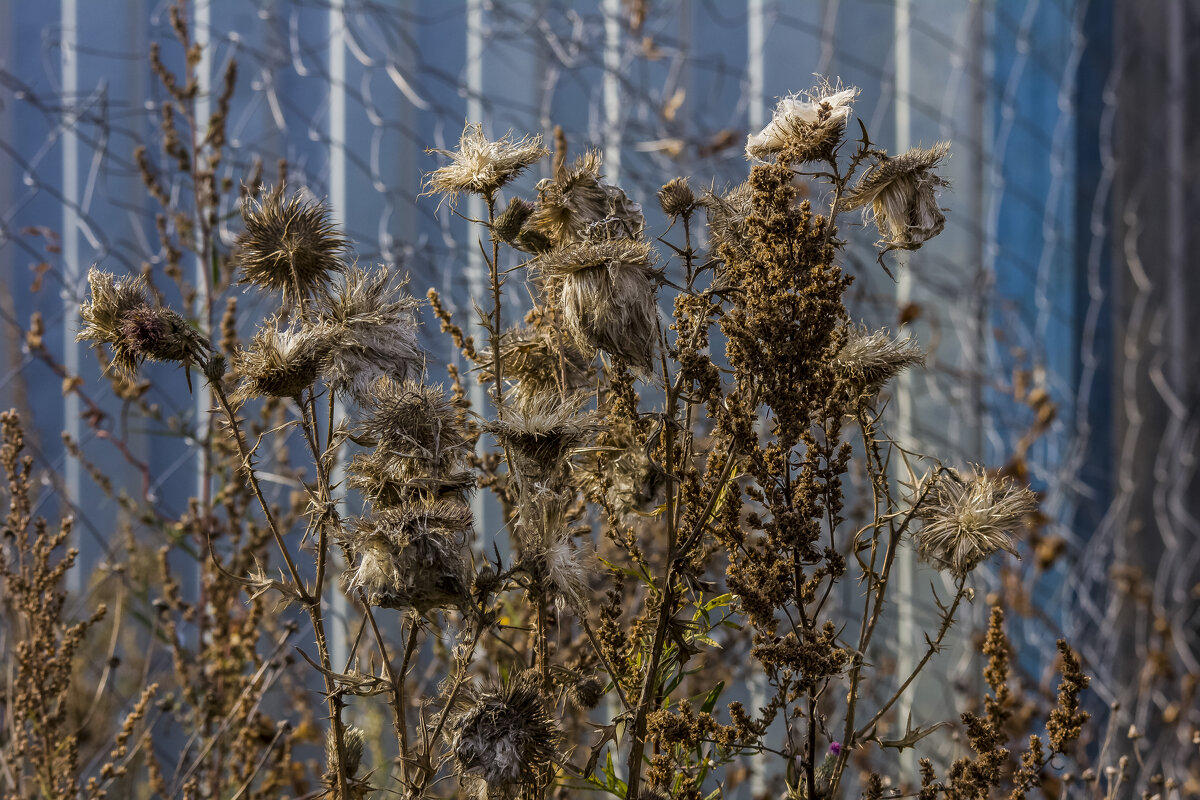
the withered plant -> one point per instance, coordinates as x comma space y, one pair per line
673, 486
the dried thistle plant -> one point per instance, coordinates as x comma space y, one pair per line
869, 359
120, 315
683, 498
411, 556
607, 291
969, 517
809, 126
504, 738
374, 332
481, 166
282, 361
289, 245
900, 194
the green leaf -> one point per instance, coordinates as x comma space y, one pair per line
710, 701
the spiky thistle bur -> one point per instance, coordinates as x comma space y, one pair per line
586, 693
900, 194
290, 245
119, 314
419, 445
504, 737
482, 166
539, 362
677, 198
411, 556
539, 437
282, 361
869, 359
353, 742
570, 204
968, 517
808, 126
376, 331
606, 290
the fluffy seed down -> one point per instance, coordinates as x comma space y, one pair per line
808, 127
481, 166
969, 517
901, 193
606, 290
282, 362
504, 737
410, 557
376, 332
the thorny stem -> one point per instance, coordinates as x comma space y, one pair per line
396, 679
308, 422
244, 453
494, 321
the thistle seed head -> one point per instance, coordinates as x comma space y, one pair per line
538, 363
419, 441
578, 199
727, 221
480, 166
376, 332
120, 315
282, 362
353, 741
504, 737
868, 360
586, 693
290, 245
411, 556
606, 290
808, 128
677, 198
901, 195
508, 225
969, 517
409, 416
539, 436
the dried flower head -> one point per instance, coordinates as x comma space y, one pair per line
411, 416
969, 517
586, 693
901, 193
376, 332
510, 222
282, 362
571, 204
419, 443
568, 568
606, 290
504, 737
677, 198
869, 359
809, 127
539, 436
290, 245
411, 556
353, 740
480, 166
120, 316
727, 221
538, 363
